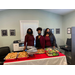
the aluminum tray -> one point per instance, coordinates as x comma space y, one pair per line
11, 59
21, 57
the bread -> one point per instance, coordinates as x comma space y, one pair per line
40, 51
22, 54
11, 55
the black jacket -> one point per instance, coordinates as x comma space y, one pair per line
53, 40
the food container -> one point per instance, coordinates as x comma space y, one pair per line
31, 50
49, 54
10, 59
52, 54
20, 58
52, 51
48, 48
40, 51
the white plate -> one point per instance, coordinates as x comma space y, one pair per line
31, 50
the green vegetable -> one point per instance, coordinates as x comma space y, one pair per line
46, 48
55, 54
53, 51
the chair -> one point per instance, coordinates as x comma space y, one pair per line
3, 52
68, 44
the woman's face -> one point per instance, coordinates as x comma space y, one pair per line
39, 31
29, 31
48, 30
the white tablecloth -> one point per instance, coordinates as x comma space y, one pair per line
46, 61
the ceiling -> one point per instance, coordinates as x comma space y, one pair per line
57, 11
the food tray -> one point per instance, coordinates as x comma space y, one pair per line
40, 53
31, 53
51, 54
22, 58
48, 48
11, 59
51, 48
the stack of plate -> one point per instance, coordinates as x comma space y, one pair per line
31, 50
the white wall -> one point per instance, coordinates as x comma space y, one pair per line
68, 21
10, 19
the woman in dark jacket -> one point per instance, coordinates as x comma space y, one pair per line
29, 38
50, 40
40, 41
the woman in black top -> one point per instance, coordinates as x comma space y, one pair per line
40, 41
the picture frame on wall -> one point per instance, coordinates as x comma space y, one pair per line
57, 30
68, 30
4, 32
12, 33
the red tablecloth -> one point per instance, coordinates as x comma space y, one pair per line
36, 56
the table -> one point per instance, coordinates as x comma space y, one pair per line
40, 59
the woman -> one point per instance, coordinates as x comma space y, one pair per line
50, 40
40, 41
29, 38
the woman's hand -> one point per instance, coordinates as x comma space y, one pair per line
24, 48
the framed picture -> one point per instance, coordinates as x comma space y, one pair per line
4, 32
12, 33
68, 30
52, 30
58, 31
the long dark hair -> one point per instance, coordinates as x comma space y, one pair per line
50, 32
31, 30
